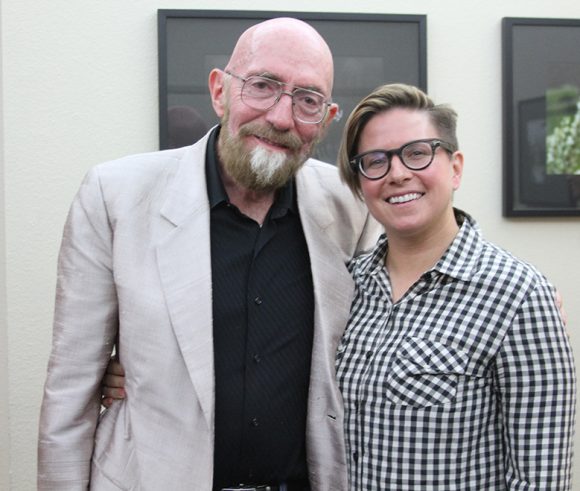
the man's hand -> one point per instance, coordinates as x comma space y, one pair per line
560, 304
112, 386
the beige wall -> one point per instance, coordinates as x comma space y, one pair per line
4, 421
79, 86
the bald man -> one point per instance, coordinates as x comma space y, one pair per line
219, 268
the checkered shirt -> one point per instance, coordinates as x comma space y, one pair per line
466, 383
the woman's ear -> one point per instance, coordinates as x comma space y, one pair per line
217, 91
457, 169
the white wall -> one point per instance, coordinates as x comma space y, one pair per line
79, 86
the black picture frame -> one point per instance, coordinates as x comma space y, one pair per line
368, 49
541, 92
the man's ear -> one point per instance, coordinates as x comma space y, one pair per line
333, 112
217, 91
457, 168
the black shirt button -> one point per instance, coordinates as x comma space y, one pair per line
258, 300
254, 422
355, 456
257, 358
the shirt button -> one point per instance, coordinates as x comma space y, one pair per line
254, 422
368, 354
258, 300
355, 456
257, 358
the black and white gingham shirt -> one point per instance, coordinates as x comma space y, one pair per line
466, 383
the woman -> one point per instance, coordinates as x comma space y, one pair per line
455, 369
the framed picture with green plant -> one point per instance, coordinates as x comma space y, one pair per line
541, 117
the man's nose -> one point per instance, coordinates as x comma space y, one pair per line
281, 115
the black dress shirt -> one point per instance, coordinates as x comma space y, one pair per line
263, 318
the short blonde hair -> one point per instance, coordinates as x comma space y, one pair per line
382, 99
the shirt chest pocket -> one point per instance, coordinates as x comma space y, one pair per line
424, 373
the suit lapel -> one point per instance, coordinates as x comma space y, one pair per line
185, 269
333, 285
333, 292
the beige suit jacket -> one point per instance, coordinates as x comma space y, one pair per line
135, 262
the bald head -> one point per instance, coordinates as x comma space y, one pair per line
269, 145
296, 44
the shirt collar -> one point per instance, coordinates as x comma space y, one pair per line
215, 188
459, 261
461, 258
285, 197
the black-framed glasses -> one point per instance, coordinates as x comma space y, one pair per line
263, 93
415, 155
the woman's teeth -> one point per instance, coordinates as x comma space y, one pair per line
404, 198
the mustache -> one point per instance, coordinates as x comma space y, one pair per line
281, 138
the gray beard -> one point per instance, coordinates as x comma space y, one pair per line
268, 167
259, 169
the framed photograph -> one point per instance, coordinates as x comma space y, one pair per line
541, 111
369, 50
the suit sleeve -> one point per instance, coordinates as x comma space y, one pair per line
369, 235
85, 326
536, 380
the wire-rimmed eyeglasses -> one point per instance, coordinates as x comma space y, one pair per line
415, 155
263, 93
